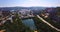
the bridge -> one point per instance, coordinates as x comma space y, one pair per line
26, 17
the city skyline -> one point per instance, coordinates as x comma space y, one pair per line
29, 3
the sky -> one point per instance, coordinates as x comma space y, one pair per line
29, 3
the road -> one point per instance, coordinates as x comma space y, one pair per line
48, 23
4, 20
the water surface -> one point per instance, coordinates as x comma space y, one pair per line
29, 23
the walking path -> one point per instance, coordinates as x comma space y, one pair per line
48, 23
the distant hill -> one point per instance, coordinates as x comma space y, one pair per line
19, 8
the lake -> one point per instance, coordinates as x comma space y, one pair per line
29, 23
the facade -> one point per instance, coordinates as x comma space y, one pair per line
25, 13
5, 13
53, 14
0, 14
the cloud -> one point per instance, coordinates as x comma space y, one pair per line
28, 3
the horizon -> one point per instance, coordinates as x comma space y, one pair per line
30, 6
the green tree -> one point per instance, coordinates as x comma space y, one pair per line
43, 27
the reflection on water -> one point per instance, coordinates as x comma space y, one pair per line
29, 23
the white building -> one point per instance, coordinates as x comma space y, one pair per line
25, 12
